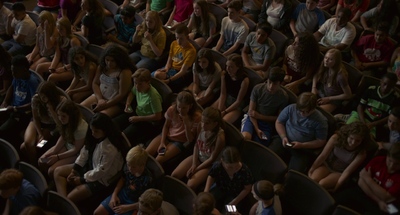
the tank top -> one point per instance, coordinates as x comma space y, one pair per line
205, 150
42, 45
109, 86
340, 158
233, 86
64, 49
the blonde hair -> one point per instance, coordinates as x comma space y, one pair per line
157, 22
204, 204
47, 16
323, 74
137, 156
151, 199
65, 23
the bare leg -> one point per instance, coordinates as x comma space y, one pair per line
60, 178
198, 178
153, 146
79, 193
171, 152
182, 168
28, 147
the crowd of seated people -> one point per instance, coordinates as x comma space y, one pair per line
61, 61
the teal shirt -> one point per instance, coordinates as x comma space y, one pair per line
148, 103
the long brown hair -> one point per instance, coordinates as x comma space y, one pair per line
357, 128
215, 116
203, 21
323, 74
71, 109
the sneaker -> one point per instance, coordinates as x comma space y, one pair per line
342, 117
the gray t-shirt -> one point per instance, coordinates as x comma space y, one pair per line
372, 14
260, 52
269, 104
233, 32
303, 129
307, 20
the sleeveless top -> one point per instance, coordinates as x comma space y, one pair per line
64, 49
109, 86
206, 149
42, 44
340, 158
233, 87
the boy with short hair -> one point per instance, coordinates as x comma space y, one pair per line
234, 30
136, 178
125, 26
18, 100
376, 103
19, 192
142, 123
266, 102
181, 57
306, 17
378, 185
259, 50
22, 29
151, 202
373, 51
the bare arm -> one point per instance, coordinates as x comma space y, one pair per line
219, 145
222, 96
351, 168
232, 49
324, 154
242, 195
209, 183
219, 43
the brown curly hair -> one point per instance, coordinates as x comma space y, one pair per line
307, 54
358, 128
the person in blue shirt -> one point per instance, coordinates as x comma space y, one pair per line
19, 192
125, 27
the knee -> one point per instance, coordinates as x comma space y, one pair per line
50, 172
246, 135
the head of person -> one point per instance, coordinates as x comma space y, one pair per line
19, 11
204, 204
205, 61
128, 14
343, 17
150, 202
70, 116
46, 16
93, 7
306, 104
136, 159
63, 26
141, 80
353, 136
382, 32
333, 59
116, 57
263, 31
78, 58
275, 78
185, 103
200, 8
263, 190
201, 16
388, 82
48, 92
10, 182
102, 126
211, 119
330, 67
235, 66
234, 8
20, 67
230, 158
394, 119
153, 22
181, 35
306, 52
393, 158
311, 4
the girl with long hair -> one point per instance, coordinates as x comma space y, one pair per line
202, 24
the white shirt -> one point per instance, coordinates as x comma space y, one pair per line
25, 27
332, 37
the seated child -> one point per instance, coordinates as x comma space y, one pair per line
151, 202
135, 179
268, 202
19, 192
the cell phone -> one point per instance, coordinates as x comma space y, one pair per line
264, 137
3, 109
41, 143
44, 160
289, 144
231, 208
168, 26
162, 151
392, 209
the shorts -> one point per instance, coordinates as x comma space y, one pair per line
123, 199
95, 187
247, 126
171, 72
230, 100
177, 144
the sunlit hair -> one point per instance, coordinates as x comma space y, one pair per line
10, 178
207, 54
47, 16
119, 54
238, 61
151, 199
307, 54
158, 26
204, 204
306, 101
230, 155
202, 23
137, 156
355, 128
186, 97
71, 109
324, 75
79, 50
213, 115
